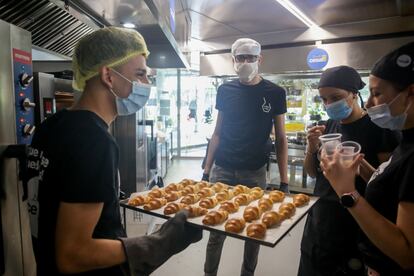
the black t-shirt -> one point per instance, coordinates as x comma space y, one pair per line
329, 225
248, 112
77, 162
389, 185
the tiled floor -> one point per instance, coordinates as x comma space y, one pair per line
282, 260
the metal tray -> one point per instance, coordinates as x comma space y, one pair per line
273, 235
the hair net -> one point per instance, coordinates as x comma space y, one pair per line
245, 46
111, 46
342, 77
397, 66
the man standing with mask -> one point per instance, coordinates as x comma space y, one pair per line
80, 230
248, 109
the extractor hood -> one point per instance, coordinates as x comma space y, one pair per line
56, 26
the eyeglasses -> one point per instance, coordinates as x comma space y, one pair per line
244, 58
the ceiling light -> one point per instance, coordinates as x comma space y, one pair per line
296, 12
128, 25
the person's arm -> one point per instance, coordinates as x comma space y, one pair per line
310, 163
394, 240
281, 147
214, 143
366, 170
76, 250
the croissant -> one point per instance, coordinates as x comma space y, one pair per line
139, 200
206, 192
256, 230
224, 195
256, 193
186, 182
202, 184
271, 218
229, 206
215, 217
277, 196
156, 193
252, 213
287, 210
191, 189
209, 202
243, 199
173, 208
173, 187
300, 200
155, 203
173, 196
240, 189
218, 187
265, 204
195, 211
235, 225
190, 199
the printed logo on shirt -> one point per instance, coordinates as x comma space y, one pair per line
266, 107
380, 170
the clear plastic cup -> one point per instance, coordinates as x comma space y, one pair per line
330, 137
348, 150
329, 143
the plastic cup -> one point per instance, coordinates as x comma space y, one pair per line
330, 137
329, 143
348, 150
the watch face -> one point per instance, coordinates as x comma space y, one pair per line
347, 201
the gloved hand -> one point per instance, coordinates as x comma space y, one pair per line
147, 253
284, 187
206, 177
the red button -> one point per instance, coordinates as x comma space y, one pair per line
21, 120
21, 94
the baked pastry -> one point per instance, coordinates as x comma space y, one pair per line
172, 208
186, 182
256, 230
190, 199
252, 213
256, 193
195, 211
155, 203
156, 193
138, 200
206, 192
215, 217
209, 202
224, 195
240, 189
203, 184
172, 196
300, 200
235, 225
277, 196
229, 206
218, 187
190, 189
243, 199
271, 218
173, 187
265, 204
287, 210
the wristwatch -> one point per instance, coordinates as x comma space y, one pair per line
349, 200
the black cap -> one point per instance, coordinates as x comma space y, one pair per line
397, 66
342, 77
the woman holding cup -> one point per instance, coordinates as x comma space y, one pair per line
386, 212
329, 243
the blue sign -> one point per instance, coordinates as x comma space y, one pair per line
317, 58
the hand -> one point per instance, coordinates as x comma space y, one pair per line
206, 177
341, 178
284, 187
313, 137
147, 253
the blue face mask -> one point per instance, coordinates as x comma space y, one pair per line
381, 116
136, 99
338, 110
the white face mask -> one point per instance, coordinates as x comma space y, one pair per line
136, 99
246, 71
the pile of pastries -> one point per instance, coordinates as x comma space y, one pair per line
199, 197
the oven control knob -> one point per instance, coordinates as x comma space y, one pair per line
28, 129
25, 80
27, 104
